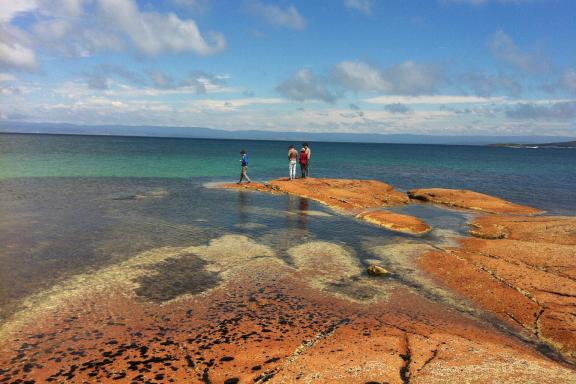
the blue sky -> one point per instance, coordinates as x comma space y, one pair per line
465, 67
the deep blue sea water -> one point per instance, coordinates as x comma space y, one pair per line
72, 204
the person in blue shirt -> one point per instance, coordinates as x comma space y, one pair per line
244, 160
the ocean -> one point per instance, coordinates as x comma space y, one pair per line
72, 204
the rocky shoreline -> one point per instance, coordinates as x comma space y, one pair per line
498, 305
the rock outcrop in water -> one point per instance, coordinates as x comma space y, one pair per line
357, 197
461, 198
396, 222
311, 315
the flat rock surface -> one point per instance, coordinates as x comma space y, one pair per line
266, 322
462, 198
523, 269
396, 221
350, 195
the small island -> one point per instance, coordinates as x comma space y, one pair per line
564, 144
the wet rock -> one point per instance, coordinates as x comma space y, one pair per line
462, 198
396, 222
345, 194
376, 270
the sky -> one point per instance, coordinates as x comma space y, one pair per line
439, 67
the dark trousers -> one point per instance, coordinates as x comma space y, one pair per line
304, 170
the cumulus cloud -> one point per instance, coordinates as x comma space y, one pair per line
504, 49
304, 85
397, 108
86, 27
100, 76
560, 111
155, 33
484, 84
356, 111
277, 16
12, 8
363, 6
408, 78
15, 50
119, 80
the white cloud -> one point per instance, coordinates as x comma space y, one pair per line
363, 6
562, 111
433, 100
408, 78
568, 80
15, 51
304, 85
5, 77
12, 8
276, 16
155, 33
484, 84
86, 27
504, 49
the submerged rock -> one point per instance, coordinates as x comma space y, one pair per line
462, 198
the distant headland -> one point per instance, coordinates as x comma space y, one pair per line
211, 133
564, 144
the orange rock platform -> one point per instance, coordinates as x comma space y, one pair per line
396, 221
267, 325
357, 197
500, 307
461, 198
523, 269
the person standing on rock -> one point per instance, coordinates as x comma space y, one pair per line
309, 154
304, 163
244, 172
292, 156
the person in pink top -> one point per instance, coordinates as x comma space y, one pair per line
309, 155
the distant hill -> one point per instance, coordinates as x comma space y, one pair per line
563, 144
209, 133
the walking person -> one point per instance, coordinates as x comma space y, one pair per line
244, 172
292, 156
309, 154
304, 163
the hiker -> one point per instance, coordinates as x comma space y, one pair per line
292, 156
244, 172
304, 163
309, 154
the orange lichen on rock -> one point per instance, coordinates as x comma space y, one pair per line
396, 222
541, 229
521, 268
267, 325
462, 198
353, 196
349, 195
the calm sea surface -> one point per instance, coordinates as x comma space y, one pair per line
545, 178
72, 204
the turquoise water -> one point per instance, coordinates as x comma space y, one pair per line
545, 178
74, 204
